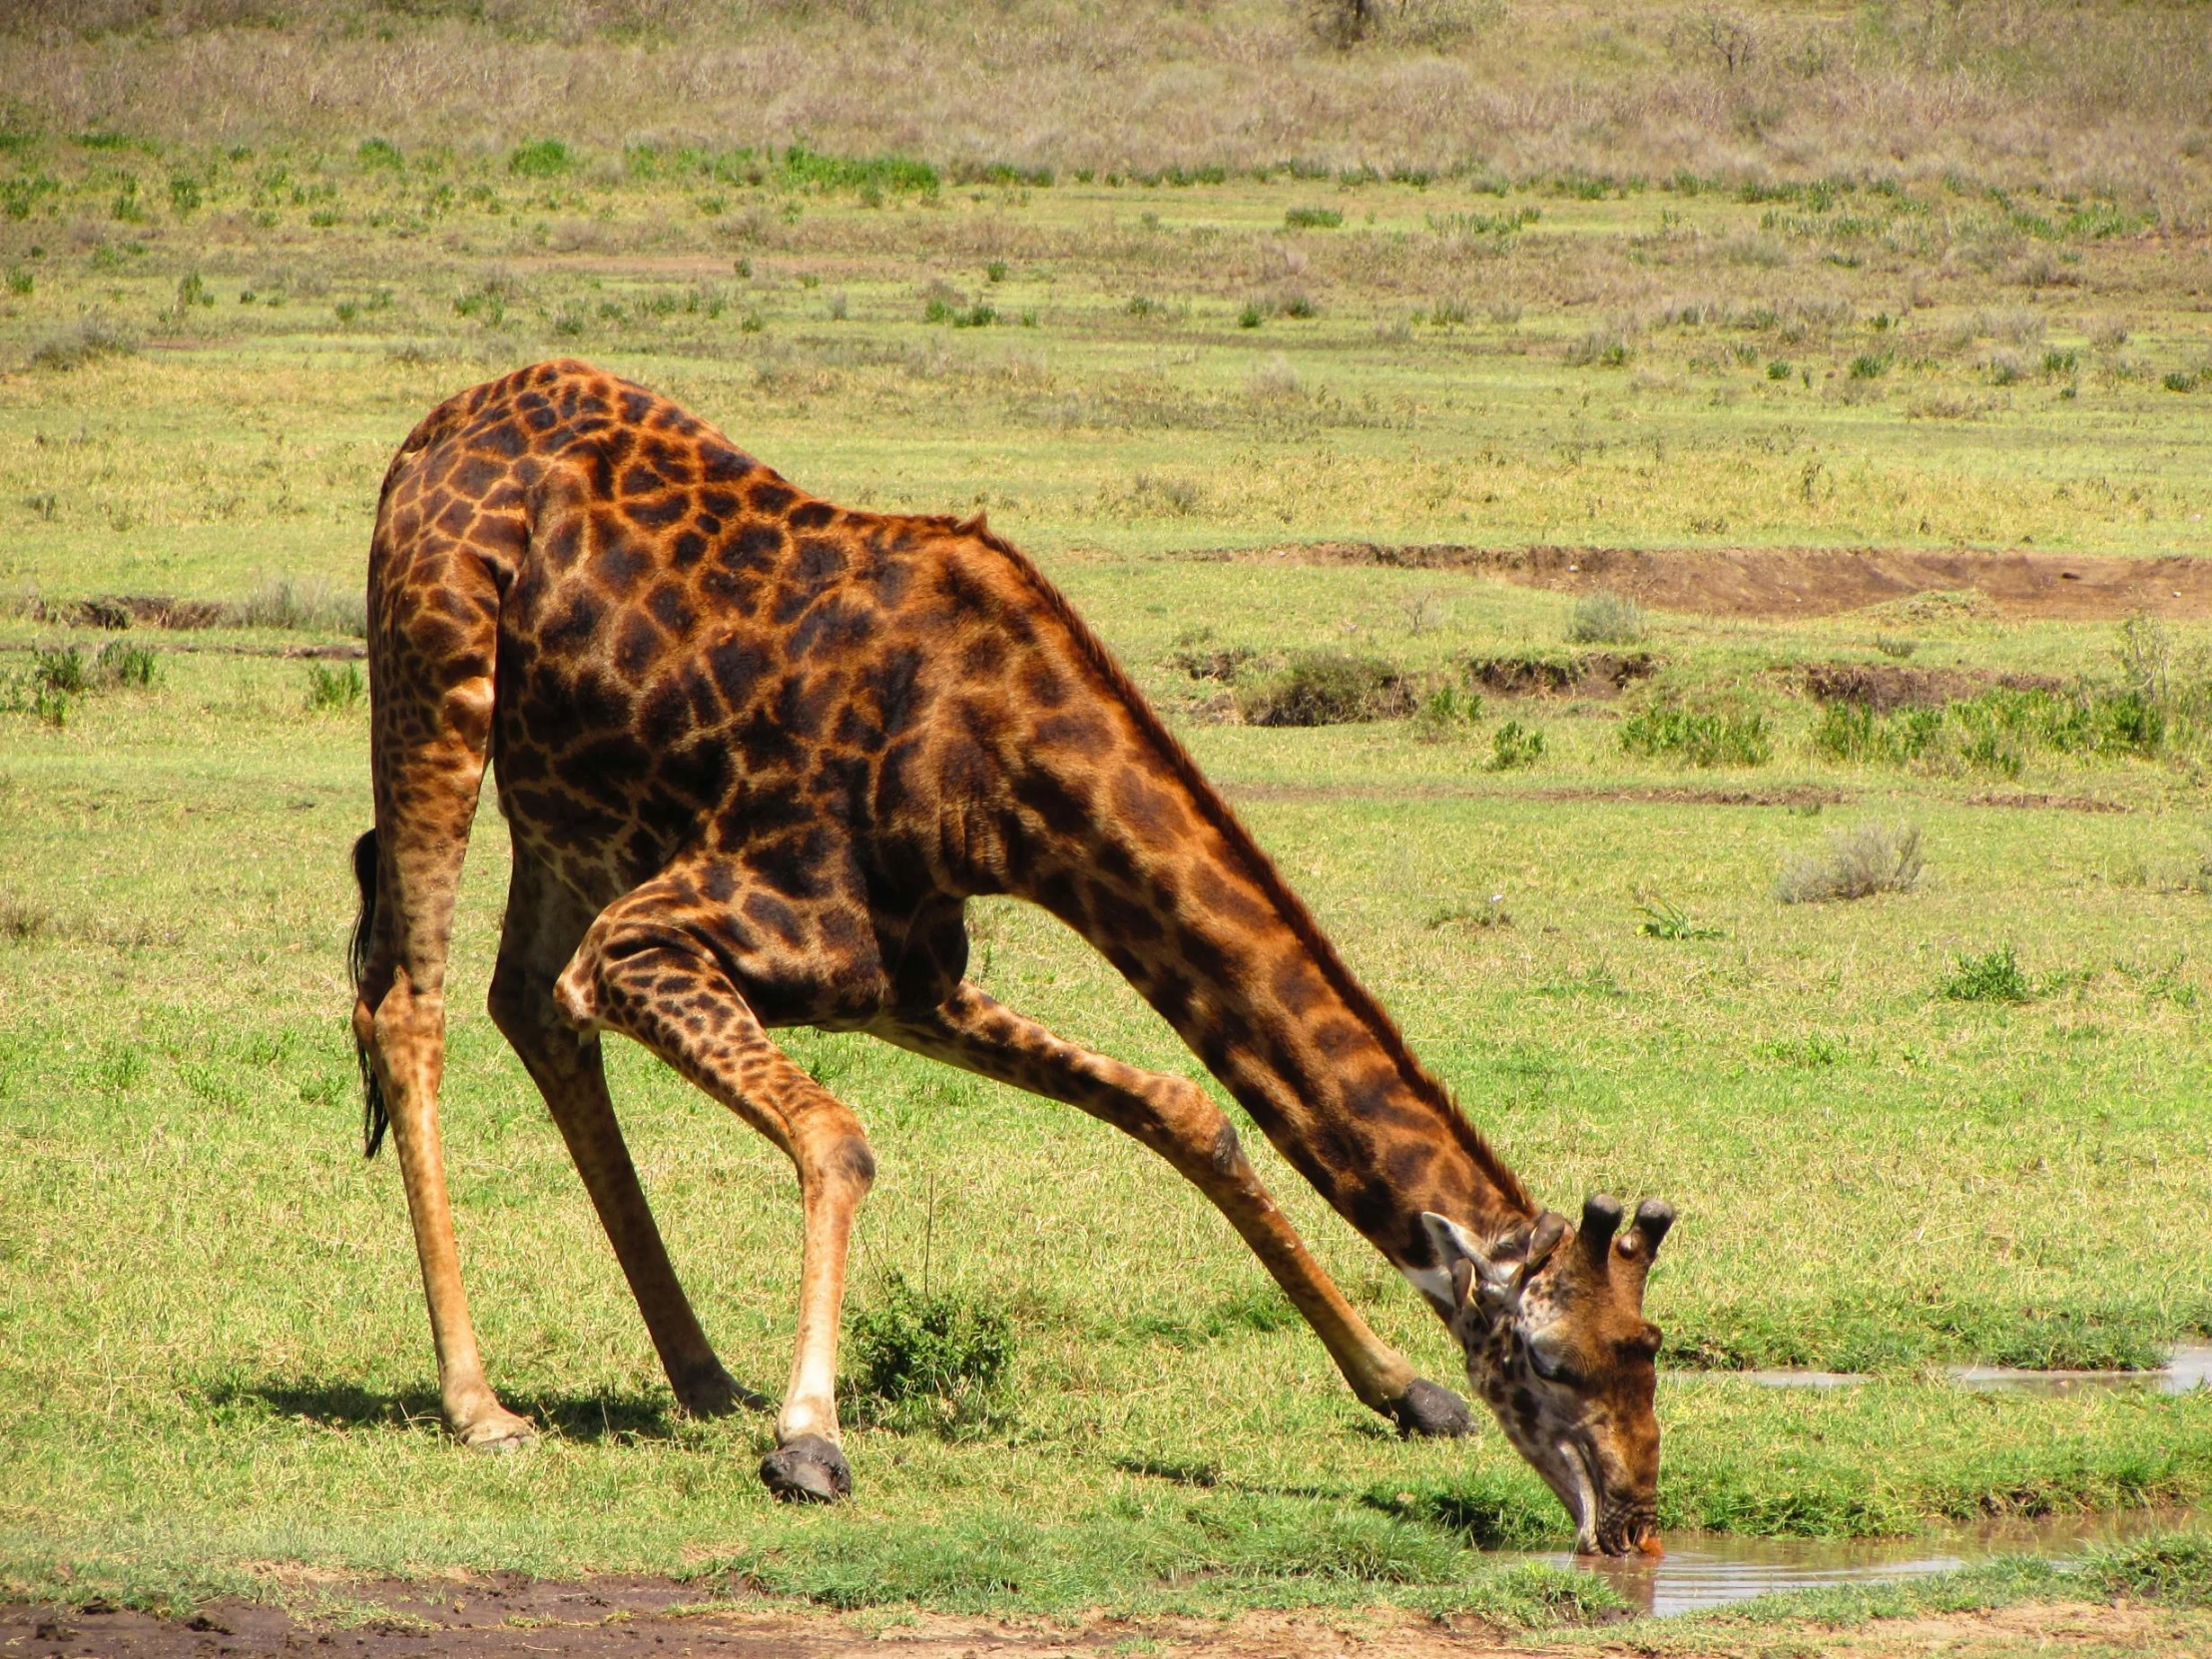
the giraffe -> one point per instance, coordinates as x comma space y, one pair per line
755, 753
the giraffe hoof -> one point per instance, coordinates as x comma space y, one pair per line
499, 1434
1431, 1413
713, 1392
809, 1470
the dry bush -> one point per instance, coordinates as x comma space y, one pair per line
1856, 864
1997, 94
1274, 381
88, 341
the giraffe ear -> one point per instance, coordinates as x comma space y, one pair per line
1472, 1266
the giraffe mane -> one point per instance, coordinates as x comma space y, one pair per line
1293, 909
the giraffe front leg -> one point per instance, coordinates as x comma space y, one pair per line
1179, 1120
642, 973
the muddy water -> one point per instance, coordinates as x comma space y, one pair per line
1711, 1569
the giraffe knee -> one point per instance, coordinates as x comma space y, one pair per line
576, 991
1229, 1156
831, 1151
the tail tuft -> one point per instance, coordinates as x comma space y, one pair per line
373, 1116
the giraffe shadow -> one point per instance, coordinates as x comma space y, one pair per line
596, 1416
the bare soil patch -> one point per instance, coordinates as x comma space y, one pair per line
1803, 580
2049, 802
507, 1617
511, 1618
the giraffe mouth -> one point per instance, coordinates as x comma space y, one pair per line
1579, 1492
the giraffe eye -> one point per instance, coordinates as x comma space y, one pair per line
1554, 1368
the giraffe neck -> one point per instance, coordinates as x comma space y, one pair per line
1172, 890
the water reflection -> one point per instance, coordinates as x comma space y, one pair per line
1710, 1570
2189, 1367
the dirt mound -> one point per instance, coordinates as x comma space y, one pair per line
1883, 687
1594, 673
1804, 581
124, 610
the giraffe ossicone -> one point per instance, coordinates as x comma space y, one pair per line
755, 753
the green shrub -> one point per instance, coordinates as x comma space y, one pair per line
1993, 977
914, 1344
1446, 712
61, 669
1997, 730
122, 664
1514, 747
1326, 687
541, 159
1606, 619
1699, 740
1313, 218
333, 687
868, 175
1252, 315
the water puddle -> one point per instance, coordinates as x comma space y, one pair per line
2189, 1367
1712, 1569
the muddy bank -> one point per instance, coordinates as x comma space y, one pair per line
480, 1620
1801, 581
1883, 687
503, 1616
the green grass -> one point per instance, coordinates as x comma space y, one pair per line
212, 1345
214, 1349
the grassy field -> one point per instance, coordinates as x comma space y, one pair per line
213, 1352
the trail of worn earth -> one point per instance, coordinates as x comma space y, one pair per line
1803, 580
506, 1615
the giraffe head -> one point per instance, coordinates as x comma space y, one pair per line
1553, 1321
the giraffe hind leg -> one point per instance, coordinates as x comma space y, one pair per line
543, 924
651, 971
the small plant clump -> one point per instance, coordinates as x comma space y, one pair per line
333, 687
1664, 920
1992, 977
1448, 711
916, 1346
59, 676
1856, 864
1606, 619
1514, 747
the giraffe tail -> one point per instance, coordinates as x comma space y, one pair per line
374, 1115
